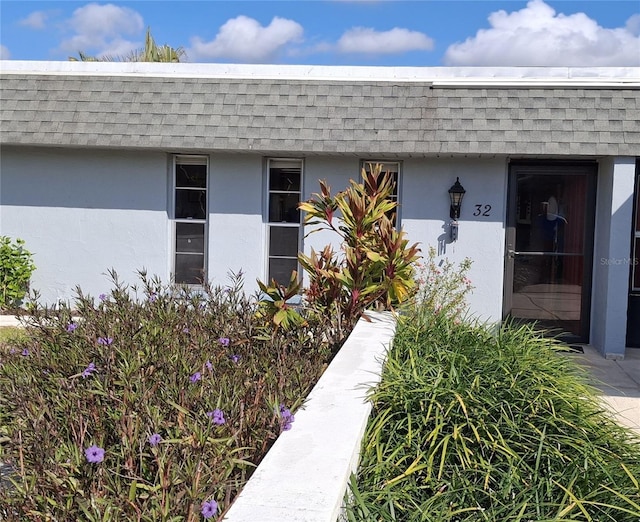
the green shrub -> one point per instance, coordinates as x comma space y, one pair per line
275, 305
180, 388
16, 267
470, 424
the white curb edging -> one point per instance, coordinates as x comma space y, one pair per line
304, 475
9, 320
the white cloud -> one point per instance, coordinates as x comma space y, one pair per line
536, 35
35, 20
633, 25
363, 40
4, 53
244, 39
101, 30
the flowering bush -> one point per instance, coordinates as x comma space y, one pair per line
443, 286
150, 404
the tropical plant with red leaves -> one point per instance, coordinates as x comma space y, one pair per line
375, 268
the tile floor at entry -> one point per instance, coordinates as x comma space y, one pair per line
619, 381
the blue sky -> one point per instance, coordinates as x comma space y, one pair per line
333, 32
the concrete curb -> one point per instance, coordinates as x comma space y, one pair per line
9, 320
305, 474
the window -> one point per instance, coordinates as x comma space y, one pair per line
394, 169
283, 217
190, 219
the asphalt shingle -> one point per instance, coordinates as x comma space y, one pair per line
320, 116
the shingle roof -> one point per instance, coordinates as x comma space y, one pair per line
320, 116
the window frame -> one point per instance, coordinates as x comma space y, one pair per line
189, 159
269, 225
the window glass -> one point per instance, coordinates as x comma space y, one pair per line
283, 241
191, 204
283, 208
194, 176
286, 179
189, 269
280, 269
190, 237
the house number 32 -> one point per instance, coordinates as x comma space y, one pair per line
482, 210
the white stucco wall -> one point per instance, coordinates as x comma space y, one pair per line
425, 217
237, 234
424, 213
614, 214
82, 213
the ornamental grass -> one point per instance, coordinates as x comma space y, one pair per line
474, 424
147, 404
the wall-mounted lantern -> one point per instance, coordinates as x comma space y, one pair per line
456, 193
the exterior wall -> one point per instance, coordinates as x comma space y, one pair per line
237, 234
425, 217
424, 214
614, 213
82, 213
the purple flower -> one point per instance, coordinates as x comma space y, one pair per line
185, 330
224, 341
71, 327
25, 352
286, 426
209, 365
286, 418
88, 370
217, 416
235, 358
102, 297
105, 341
209, 508
155, 439
152, 297
94, 454
195, 377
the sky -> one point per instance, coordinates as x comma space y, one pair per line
333, 32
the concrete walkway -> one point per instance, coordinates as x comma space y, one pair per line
619, 381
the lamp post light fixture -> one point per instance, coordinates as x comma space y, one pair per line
456, 193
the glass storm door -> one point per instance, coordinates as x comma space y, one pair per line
550, 247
